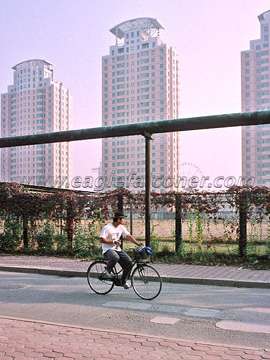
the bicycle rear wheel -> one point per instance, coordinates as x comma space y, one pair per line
94, 277
146, 281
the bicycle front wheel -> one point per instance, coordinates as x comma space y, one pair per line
94, 277
146, 281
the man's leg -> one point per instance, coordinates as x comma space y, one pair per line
126, 264
112, 258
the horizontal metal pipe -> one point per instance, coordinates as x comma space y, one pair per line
153, 127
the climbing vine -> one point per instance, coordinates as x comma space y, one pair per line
31, 205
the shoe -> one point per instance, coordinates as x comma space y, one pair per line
106, 275
127, 285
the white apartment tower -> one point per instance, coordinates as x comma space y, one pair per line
35, 104
255, 81
140, 84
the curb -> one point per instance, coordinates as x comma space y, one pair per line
217, 282
165, 279
44, 271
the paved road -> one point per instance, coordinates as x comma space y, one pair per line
189, 312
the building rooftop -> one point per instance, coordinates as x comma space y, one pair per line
144, 23
262, 16
26, 61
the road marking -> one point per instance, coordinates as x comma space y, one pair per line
198, 312
164, 320
12, 286
263, 310
127, 305
195, 312
243, 326
175, 309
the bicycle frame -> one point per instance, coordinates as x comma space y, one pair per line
118, 274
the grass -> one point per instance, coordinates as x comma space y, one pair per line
214, 259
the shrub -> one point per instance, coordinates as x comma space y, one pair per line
60, 243
44, 239
165, 251
86, 242
155, 244
11, 237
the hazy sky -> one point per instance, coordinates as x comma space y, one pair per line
73, 35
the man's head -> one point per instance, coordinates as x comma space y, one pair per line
118, 217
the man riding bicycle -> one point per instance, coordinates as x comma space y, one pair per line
110, 238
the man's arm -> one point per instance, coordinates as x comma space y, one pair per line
110, 242
132, 239
107, 241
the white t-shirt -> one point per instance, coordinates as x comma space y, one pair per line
110, 232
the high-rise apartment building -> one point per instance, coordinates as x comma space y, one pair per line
255, 81
140, 84
34, 104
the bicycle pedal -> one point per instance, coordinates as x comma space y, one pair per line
117, 282
106, 276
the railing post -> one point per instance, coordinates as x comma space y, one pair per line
120, 208
70, 228
242, 224
148, 189
25, 233
130, 218
120, 203
178, 223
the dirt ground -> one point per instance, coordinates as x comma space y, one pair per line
219, 230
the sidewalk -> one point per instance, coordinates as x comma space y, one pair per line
178, 273
34, 340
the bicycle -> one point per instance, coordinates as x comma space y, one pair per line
145, 279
